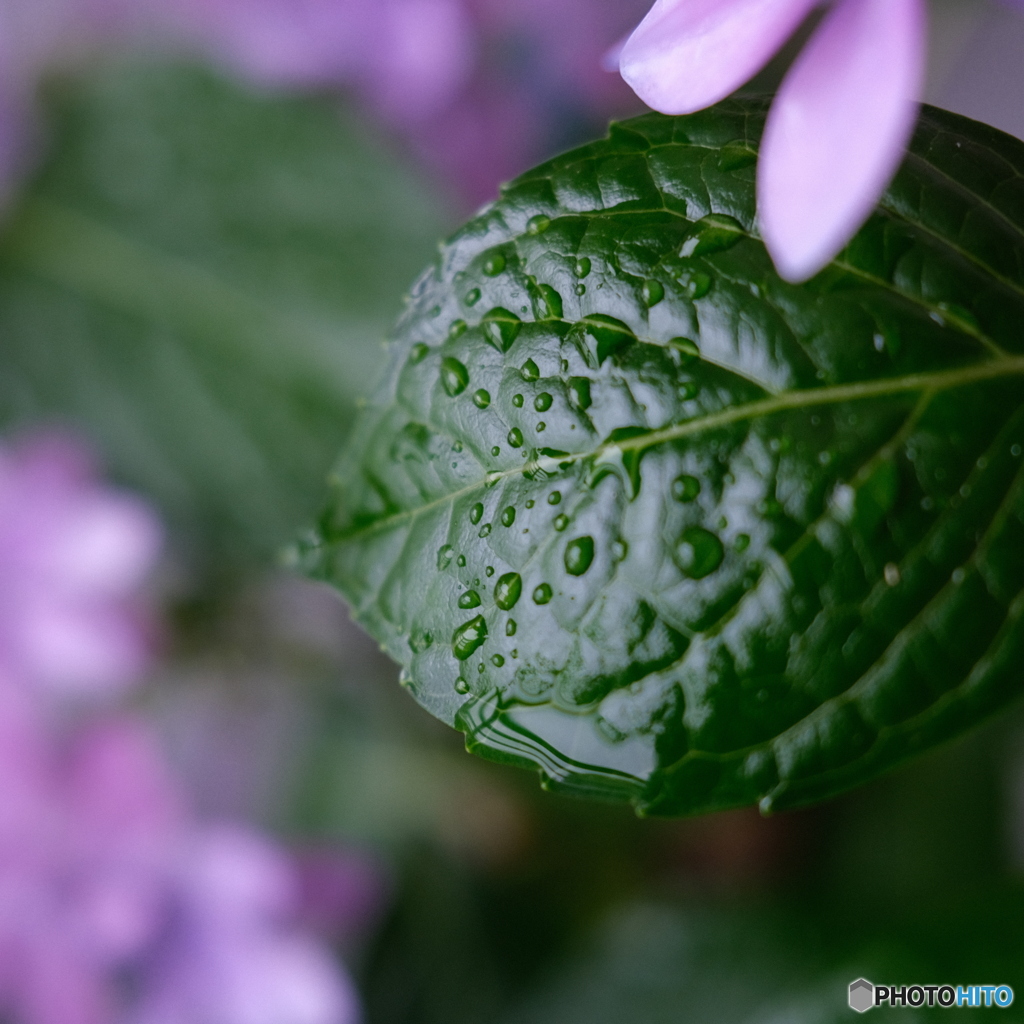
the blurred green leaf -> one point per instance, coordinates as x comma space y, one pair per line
200, 278
634, 511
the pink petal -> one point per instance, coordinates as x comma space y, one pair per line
687, 54
838, 130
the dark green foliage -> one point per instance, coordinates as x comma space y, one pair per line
769, 539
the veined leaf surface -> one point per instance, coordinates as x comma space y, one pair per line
632, 510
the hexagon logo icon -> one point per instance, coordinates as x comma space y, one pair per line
862, 995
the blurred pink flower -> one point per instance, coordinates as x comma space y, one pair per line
103, 876
230, 954
839, 125
73, 554
86, 840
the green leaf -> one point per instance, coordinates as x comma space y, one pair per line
734, 540
200, 278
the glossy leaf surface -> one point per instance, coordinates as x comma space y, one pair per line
630, 509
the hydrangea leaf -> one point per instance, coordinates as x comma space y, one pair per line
633, 511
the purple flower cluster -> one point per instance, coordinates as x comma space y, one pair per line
116, 906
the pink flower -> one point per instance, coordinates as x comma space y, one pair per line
231, 955
73, 554
839, 125
86, 840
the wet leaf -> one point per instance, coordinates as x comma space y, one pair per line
767, 540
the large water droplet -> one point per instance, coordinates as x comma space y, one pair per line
530, 371
508, 590
555, 498
476, 513
470, 599
600, 336
469, 637
621, 458
494, 264
444, 556
700, 552
713, 233
497, 660
582, 267
579, 553
538, 225
542, 402
481, 398
689, 350
508, 517
420, 640
501, 328
547, 303
685, 488
652, 292
579, 393
561, 522
418, 353
515, 437
461, 686
454, 376
542, 594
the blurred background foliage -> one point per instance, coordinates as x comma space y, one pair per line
198, 276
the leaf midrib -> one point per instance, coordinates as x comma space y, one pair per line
937, 381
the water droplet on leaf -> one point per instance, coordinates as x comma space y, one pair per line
700, 552
470, 599
685, 488
469, 637
579, 393
454, 376
481, 398
472, 297
538, 225
508, 590
418, 353
542, 402
515, 437
554, 498
508, 517
494, 264
582, 267
476, 513
501, 328
579, 554
444, 556
530, 370
420, 641
652, 292
542, 594
688, 349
